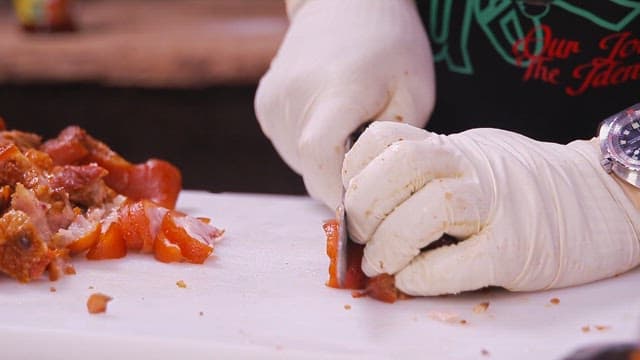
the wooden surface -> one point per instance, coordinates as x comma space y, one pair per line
159, 43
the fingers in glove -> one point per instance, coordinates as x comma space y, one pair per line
375, 139
443, 206
274, 113
412, 99
465, 266
322, 147
392, 177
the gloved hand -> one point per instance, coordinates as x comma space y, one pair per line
531, 215
341, 64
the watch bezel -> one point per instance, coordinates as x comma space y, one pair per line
610, 129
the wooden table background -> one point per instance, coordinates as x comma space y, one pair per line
150, 43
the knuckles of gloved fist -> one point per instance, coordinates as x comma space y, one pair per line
530, 215
343, 63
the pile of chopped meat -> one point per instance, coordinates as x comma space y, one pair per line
73, 194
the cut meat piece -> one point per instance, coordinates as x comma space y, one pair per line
136, 226
23, 253
97, 303
39, 159
26, 201
23, 140
49, 210
166, 251
33, 194
80, 236
194, 237
110, 244
156, 180
5, 198
141, 222
381, 287
332, 232
83, 183
171, 235
16, 168
60, 213
59, 265
354, 277
68, 148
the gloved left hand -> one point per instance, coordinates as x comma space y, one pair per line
343, 63
530, 215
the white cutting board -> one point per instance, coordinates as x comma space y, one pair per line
263, 296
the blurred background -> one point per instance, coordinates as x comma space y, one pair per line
172, 79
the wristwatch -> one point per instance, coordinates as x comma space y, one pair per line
619, 138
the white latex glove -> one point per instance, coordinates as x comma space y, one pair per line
532, 215
341, 64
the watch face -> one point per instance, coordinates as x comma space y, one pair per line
625, 137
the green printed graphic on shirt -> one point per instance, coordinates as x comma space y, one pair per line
520, 36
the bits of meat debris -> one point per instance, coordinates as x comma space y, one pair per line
447, 317
181, 284
588, 328
480, 308
97, 303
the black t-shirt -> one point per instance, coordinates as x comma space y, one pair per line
551, 72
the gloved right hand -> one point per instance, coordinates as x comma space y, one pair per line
529, 215
343, 63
